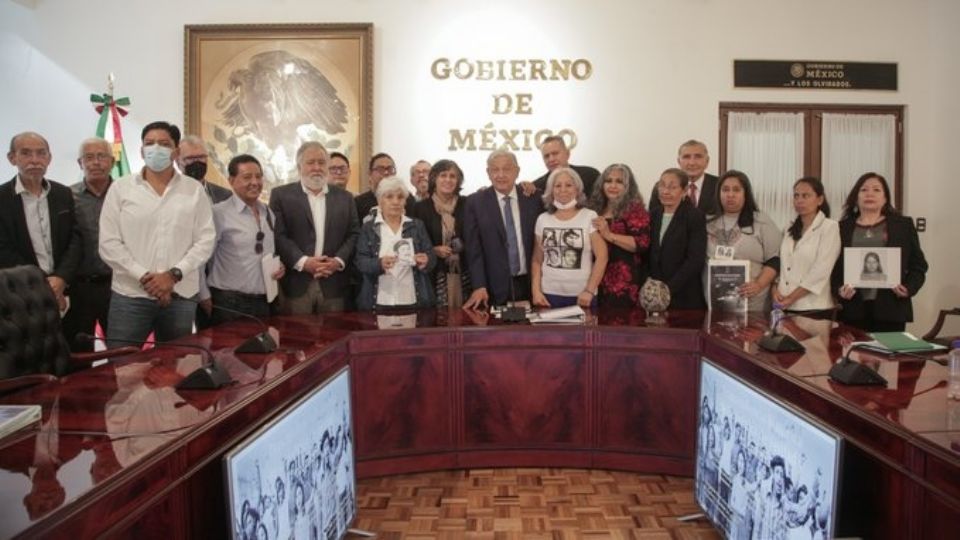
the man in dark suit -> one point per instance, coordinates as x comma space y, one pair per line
38, 224
693, 158
316, 232
556, 154
498, 242
381, 166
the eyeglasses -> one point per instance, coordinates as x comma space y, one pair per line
97, 157
258, 248
386, 169
338, 169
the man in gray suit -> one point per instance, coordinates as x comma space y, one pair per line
316, 231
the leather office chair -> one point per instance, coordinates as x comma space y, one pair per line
33, 349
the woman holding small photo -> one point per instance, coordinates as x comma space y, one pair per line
870, 221
394, 255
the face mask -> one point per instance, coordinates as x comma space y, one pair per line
157, 158
197, 169
314, 183
565, 206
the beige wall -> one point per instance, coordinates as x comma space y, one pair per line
660, 68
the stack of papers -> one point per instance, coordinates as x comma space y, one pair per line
894, 342
565, 315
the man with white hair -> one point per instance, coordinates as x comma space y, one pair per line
192, 161
316, 232
419, 179
498, 234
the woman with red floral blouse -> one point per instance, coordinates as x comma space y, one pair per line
625, 224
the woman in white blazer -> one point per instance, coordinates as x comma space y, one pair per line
809, 249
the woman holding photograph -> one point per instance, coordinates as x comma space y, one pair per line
809, 249
749, 233
390, 280
442, 214
871, 221
583, 252
625, 225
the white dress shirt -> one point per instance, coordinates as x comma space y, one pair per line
515, 204
37, 212
809, 262
318, 209
142, 231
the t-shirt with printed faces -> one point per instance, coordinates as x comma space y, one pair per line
567, 253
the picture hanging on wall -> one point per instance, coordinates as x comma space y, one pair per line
265, 89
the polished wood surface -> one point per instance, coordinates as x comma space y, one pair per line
120, 452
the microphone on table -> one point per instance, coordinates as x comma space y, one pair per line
774, 341
851, 373
209, 376
262, 342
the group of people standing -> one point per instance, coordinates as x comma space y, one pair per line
152, 251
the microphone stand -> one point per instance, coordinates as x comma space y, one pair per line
209, 376
260, 343
851, 373
774, 341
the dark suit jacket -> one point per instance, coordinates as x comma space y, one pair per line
486, 241
706, 199
296, 236
913, 272
589, 176
679, 259
426, 212
15, 245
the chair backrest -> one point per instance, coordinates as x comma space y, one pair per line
31, 340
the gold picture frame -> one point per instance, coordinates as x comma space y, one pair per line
264, 89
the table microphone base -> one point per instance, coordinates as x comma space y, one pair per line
208, 377
260, 343
780, 343
853, 373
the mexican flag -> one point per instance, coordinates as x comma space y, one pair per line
108, 127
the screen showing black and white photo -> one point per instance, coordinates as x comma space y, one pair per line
724, 279
294, 478
872, 267
763, 470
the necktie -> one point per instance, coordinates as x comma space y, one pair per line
513, 253
693, 193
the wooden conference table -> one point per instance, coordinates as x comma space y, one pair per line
120, 452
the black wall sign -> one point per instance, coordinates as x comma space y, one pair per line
814, 74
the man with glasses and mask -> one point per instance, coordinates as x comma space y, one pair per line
316, 231
90, 290
381, 166
244, 238
192, 161
156, 233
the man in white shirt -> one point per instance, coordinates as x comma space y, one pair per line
156, 233
693, 158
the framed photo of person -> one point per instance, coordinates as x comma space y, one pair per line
724, 278
871, 267
265, 89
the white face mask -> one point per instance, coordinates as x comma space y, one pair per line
157, 158
565, 206
314, 183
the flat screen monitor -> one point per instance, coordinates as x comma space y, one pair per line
294, 477
764, 470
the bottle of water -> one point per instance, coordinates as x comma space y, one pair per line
776, 315
953, 390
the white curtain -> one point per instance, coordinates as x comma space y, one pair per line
768, 147
852, 145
